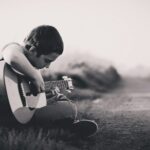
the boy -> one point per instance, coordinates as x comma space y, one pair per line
41, 47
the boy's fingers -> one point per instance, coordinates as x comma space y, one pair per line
42, 89
62, 97
59, 95
49, 95
33, 89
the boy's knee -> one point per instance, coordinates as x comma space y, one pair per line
67, 109
58, 110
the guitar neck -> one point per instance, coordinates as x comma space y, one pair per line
61, 84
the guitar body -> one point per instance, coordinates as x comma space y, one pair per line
14, 89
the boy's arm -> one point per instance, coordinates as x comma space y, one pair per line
14, 56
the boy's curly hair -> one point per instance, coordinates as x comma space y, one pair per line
46, 39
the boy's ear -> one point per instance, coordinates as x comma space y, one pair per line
33, 50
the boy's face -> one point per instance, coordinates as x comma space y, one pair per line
43, 60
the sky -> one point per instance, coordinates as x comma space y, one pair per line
115, 30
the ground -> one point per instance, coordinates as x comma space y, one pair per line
123, 117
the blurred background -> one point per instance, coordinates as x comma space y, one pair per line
113, 30
104, 39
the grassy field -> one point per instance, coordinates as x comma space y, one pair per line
29, 137
123, 117
128, 130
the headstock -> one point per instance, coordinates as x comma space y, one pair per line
69, 82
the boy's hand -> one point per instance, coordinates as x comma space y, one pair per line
37, 84
56, 99
61, 97
55, 95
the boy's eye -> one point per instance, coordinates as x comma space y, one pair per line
47, 61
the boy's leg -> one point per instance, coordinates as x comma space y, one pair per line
63, 114
58, 111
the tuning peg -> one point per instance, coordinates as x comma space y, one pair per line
65, 77
69, 81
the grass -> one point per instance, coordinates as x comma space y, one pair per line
31, 138
125, 130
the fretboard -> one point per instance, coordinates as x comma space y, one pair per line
61, 84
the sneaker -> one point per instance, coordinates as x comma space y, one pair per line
84, 128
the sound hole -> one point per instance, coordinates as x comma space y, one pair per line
21, 92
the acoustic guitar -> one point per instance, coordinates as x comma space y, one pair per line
16, 89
